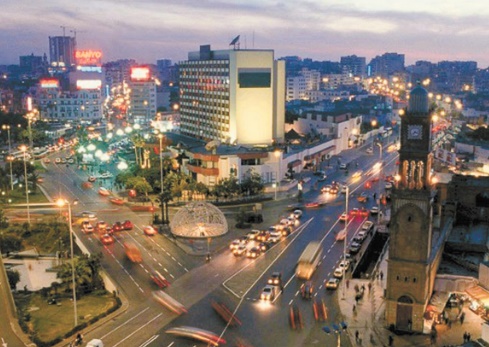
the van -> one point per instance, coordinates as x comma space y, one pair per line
95, 343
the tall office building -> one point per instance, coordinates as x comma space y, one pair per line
62, 50
356, 66
143, 95
234, 96
386, 64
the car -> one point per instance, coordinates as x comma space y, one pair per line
342, 166
106, 175
240, 250
92, 179
275, 239
101, 226
343, 217
127, 225
47, 160
297, 214
341, 235
149, 230
313, 204
87, 228
253, 234
262, 236
322, 178
362, 212
89, 215
367, 226
370, 150
338, 272
268, 293
357, 174
117, 226
63, 161
103, 191
326, 188
253, 252
117, 201
374, 210
307, 290
286, 231
285, 222
388, 185
108, 230
332, 283
344, 264
333, 190
292, 220
360, 236
235, 244
159, 279
362, 197
107, 239
263, 246
354, 247
57, 160
275, 279
71, 161
319, 173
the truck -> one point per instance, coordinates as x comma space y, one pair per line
309, 260
132, 252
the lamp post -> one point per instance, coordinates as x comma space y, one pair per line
7, 127
278, 155
160, 136
23, 148
337, 329
61, 203
346, 239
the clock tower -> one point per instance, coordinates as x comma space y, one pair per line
411, 268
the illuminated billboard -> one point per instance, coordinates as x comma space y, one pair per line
87, 57
88, 84
140, 73
49, 83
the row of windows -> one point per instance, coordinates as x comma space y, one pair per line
406, 279
210, 123
187, 101
73, 115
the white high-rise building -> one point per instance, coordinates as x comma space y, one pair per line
299, 86
233, 96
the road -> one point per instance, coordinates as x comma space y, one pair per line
237, 281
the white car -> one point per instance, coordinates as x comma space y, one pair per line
268, 293
367, 226
332, 283
240, 250
338, 272
297, 214
275, 239
253, 234
388, 185
342, 166
370, 150
374, 210
344, 264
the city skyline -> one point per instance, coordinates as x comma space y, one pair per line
434, 31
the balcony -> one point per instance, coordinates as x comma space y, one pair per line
206, 171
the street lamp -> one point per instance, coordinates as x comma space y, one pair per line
9, 158
278, 155
61, 203
346, 238
337, 329
23, 148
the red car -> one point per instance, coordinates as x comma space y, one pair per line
159, 279
117, 201
363, 212
107, 239
149, 230
127, 225
117, 226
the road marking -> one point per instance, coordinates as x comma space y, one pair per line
171, 344
135, 331
291, 301
120, 326
151, 339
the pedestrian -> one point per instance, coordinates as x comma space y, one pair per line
354, 308
449, 324
347, 284
468, 337
381, 275
357, 334
465, 336
462, 318
369, 286
391, 340
433, 338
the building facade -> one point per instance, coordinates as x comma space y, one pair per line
62, 51
233, 96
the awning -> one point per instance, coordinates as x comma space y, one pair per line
438, 302
294, 163
319, 153
480, 294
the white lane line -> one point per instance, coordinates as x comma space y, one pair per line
151, 339
127, 321
135, 331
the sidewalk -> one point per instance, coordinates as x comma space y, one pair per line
368, 318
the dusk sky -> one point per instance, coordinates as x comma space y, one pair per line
147, 30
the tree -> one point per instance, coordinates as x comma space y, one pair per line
139, 184
252, 183
13, 278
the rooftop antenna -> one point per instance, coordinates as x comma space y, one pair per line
64, 30
235, 42
74, 31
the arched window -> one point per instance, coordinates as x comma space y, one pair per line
405, 300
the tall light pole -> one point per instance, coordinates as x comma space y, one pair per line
278, 155
61, 203
7, 127
161, 161
23, 148
346, 239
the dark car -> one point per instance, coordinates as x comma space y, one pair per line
307, 290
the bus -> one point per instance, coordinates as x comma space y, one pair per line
309, 260
20, 155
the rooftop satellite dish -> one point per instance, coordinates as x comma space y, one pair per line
212, 145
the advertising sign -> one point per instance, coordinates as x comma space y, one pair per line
49, 83
140, 73
87, 57
88, 84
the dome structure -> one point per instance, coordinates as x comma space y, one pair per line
418, 100
199, 220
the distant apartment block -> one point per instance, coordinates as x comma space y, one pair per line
354, 66
62, 51
232, 96
298, 86
386, 64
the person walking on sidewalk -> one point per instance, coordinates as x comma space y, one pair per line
357, 334
391, 340
381, 275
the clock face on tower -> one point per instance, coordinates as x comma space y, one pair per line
415, 132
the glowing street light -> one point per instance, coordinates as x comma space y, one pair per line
278, 155
23, 148
347, 195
